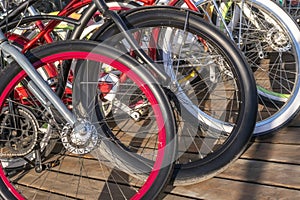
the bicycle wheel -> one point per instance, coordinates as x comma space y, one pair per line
211, 88
269, 38
91, 166
292, 7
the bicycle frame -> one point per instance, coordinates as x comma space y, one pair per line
45, 30
75, 5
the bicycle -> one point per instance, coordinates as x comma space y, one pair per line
213, 134
28, 124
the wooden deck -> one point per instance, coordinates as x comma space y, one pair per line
269, 169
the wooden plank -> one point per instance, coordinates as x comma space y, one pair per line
174, 197
296, 121
34, 194
273, 152
217, 188
92, 168
276, 174
74, 186
286, 135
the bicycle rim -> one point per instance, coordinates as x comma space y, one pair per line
106, 170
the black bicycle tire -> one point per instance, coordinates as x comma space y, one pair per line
170, 16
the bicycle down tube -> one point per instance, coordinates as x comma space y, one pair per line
37, 80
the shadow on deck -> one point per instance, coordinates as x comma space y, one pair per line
269, 169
